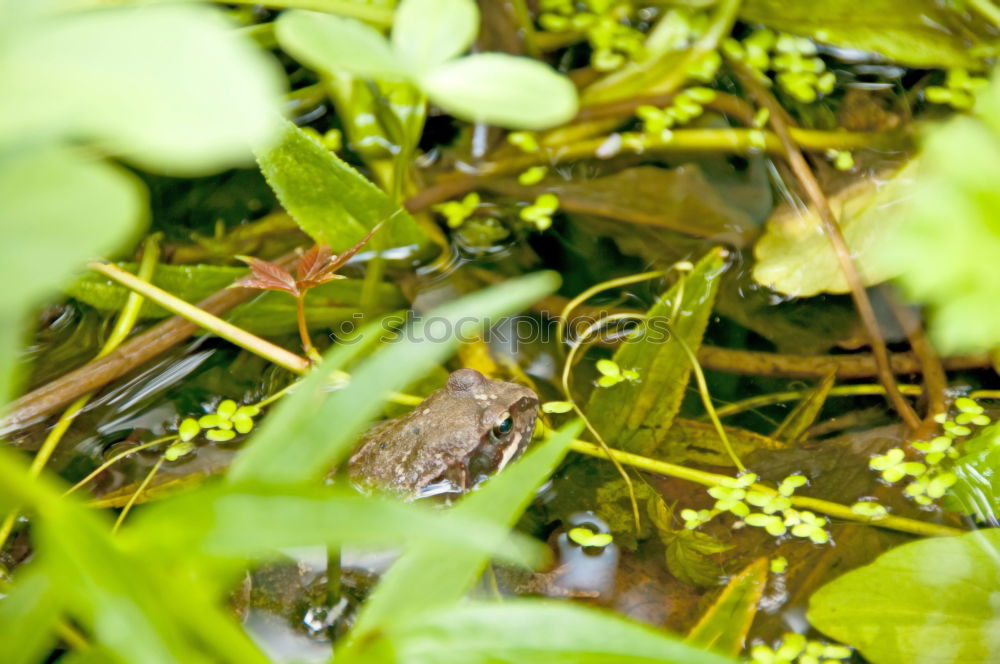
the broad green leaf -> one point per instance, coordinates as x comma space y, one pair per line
426, 33
910, 32
236, 522
927, 601
977, 490
724, 626
329, 200
434, 575
794, 256
59, 209
503, 90
313, 428
333, 44
171, 88
635, 416
542, 631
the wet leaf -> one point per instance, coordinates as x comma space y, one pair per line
679, 199
910, 32
434, 575
635, 416
329, 200
795, 257
694, 441
926, 601
60, 209
500, 89
687, 556
724, 626
126, 83
542, 631
977, 491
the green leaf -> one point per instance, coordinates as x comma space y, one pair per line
28, 614
59, 209
426, 33
977, 491
663, 364
542, 631
927, 601
503, 90
313, 428
687, 556
725, 624
794, 256
910, 32
237, 521
433, 575
168, 87
331, 43
329, 200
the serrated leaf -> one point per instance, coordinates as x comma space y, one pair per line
636, 416
329, 200
502, 90
927, 601
168, 87
266, 275
910, 32
687, 556
330, 43
426, 33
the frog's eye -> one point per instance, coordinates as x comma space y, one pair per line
503, 426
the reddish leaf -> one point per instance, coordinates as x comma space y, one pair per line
313, 263
267, 276
338, 261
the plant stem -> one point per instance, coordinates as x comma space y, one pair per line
300, 314
205, 320
115, 459
842, 391
138, 492
837, 510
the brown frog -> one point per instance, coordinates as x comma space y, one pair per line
456, 438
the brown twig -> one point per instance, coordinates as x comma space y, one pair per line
140, 349
935, 379
796, 160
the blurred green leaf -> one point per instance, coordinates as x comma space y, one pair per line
947, 249
427, 33
636, 416
329, 200
543, 631
794, 256
910, 32
28, 615
333, 43
168, 87
434, 575
313, 428
59, 208
927, 601
500, 89
237, 521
